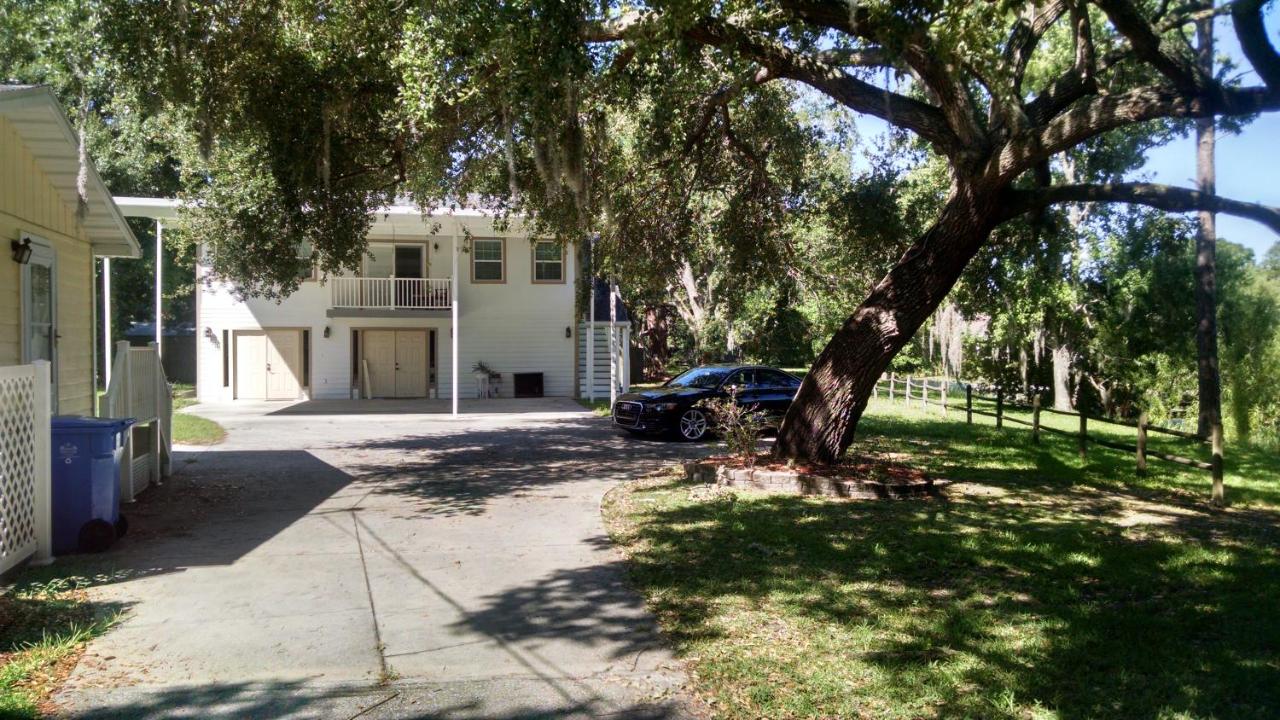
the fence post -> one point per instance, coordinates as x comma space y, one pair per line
43, 465
1035, 418
924, 394
946, 394
999, 408
891, 379
1142, 442
968, 403
907, 393
875, 389
1084, 433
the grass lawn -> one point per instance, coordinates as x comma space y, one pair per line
191, 429
45, 622
1040, 587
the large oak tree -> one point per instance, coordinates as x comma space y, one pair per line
309, 114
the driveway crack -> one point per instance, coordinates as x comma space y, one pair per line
373, 608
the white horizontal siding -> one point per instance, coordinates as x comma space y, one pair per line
516, 326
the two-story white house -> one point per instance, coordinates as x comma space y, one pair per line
434, 299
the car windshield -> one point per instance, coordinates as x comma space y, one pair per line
699, 378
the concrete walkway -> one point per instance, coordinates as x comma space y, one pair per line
395, 562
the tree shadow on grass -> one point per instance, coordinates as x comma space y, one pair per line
983, 606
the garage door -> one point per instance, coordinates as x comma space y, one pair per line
396, 361
267, 364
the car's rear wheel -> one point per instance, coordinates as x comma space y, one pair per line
694, 424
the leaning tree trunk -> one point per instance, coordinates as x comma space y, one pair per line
821, 422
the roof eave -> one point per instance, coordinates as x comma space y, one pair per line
112, 238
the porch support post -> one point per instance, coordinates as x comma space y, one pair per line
613, 343
106, 323
591, 320
159, 286
453, 330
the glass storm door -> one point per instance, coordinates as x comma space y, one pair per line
39, 310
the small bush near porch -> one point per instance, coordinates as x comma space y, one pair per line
1039, 588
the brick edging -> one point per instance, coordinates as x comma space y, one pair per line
799, 483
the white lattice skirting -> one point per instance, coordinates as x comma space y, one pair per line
25, 520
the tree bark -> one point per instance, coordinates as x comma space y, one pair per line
1061, 378
1210, 382
822, 420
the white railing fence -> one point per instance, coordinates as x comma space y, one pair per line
26, 521
140, 390
390, 293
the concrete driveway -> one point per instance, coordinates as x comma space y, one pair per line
391, 562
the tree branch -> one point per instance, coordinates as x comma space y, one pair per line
719, 99
1246, 16
1094, 115
937, 72
612, 29
1026, 34
1163, 197
1147, 45
899, 110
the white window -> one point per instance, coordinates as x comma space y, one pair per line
306, 265
548, 262
488, 260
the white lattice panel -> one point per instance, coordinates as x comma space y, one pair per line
19, 466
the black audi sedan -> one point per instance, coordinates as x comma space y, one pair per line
678, 406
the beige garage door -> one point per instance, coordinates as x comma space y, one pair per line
267, 364
396, 361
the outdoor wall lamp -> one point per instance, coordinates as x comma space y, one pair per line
326, 332
211, 335
21, 250
568, 332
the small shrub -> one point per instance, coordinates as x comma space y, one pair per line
739, 425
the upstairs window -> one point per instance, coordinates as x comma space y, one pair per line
306, 264
548, 262
488, 260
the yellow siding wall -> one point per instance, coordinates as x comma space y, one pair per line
28, 202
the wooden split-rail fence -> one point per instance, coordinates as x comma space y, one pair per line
918, 389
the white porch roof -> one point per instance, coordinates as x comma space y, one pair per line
399, 217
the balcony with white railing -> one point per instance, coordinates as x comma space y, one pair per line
389, 294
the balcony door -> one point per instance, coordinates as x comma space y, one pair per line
409, 273
403, 267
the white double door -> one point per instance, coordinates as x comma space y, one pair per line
396, 361
268, 364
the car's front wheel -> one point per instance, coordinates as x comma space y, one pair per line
694, 424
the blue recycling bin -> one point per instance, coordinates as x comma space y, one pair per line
86, 482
